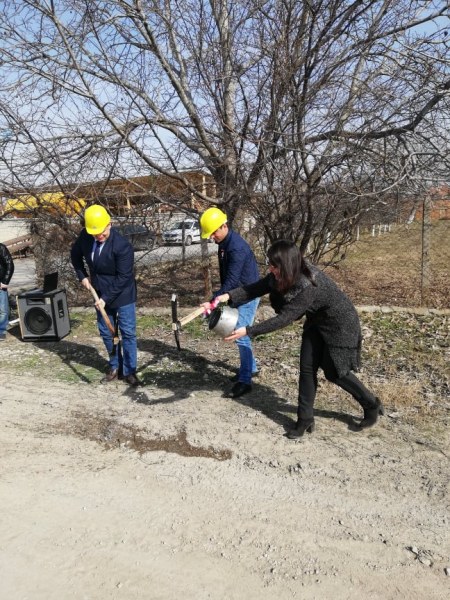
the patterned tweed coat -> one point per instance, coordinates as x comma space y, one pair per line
324, 306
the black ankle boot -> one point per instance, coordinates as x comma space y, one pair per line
371, 415
302, 426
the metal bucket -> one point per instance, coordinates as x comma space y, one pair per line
223, 320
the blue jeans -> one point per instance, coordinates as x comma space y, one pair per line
4, 311
125, 357
248, 365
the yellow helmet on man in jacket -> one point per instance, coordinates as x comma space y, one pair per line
211, 220
96, 219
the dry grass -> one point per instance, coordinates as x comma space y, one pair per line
386, 270
405, 362
399, 395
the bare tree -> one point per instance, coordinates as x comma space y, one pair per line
307, 112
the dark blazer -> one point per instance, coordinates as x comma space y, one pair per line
6, 265
112, 276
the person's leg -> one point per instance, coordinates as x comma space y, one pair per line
4, 312
310, 359
127, 328
371, 405
113, 358
248, 365
350, 383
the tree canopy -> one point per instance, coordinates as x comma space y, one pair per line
307, 113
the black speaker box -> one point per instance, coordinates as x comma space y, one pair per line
44, 317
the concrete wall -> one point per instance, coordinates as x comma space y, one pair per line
12, 228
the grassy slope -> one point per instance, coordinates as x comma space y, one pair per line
386, 270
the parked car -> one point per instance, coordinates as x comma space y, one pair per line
140, 236
174, 235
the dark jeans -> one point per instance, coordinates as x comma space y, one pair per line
314, 353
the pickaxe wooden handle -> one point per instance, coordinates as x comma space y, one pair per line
104, 315
192, 315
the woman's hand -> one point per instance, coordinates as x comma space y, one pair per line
206, 307
209, 306
236, 334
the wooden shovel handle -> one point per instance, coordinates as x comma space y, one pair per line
102, 311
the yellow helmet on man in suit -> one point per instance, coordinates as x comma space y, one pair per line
96, 219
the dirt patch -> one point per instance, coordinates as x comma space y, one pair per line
109, 434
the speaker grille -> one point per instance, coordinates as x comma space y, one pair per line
38, 321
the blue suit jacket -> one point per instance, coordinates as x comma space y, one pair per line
237, 263
112, 275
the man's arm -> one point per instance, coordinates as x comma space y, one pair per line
77, 260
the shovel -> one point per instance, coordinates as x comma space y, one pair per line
113, 331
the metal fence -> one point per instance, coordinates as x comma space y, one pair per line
406, 265
399, 265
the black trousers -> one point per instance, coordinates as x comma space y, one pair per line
314, 353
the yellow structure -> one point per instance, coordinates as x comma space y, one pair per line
54, 202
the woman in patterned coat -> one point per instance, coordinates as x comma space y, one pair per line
331, 336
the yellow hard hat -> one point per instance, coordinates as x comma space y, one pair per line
211, 220
96, 219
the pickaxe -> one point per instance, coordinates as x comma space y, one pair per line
177, 324
107, 321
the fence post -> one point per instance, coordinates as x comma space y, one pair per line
206, 268
426, 234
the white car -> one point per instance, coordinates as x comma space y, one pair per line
174, 235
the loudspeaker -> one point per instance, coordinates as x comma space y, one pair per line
44, 317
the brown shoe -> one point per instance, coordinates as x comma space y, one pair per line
132, 380
110, 376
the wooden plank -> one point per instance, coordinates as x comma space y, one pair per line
19, 244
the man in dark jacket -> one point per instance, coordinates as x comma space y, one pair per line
238, 267
6, 272
109, 258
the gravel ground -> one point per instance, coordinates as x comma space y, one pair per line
173, 490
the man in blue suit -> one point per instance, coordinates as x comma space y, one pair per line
108, 257
238, 266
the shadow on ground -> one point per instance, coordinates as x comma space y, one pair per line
187, 372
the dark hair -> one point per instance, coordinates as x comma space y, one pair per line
288, 258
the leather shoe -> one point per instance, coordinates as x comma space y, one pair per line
132, 380
239, 389
110, 376
235, 378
